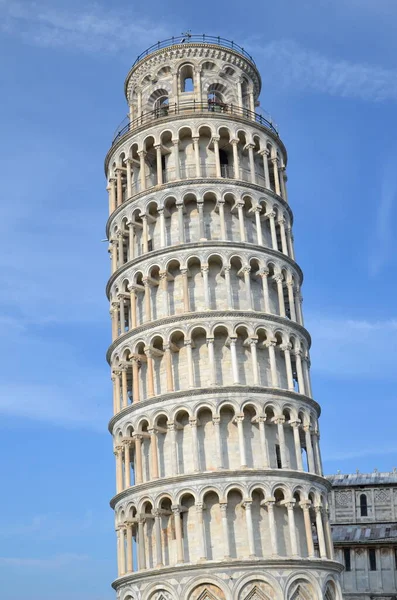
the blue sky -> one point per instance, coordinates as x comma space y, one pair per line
329, 70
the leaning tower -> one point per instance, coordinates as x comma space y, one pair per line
219, 486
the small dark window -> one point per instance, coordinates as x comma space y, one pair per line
347, 559
372, 559
223, 158
278, 457
363, 505
150, 245
395, 558
163, 162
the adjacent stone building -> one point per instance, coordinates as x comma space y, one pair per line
364, 529
220, 492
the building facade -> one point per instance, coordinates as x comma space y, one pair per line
363, 513
219, 486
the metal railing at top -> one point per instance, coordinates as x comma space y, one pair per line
191, 39
211, 108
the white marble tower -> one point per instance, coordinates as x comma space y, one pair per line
219, 489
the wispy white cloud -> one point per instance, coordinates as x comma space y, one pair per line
383, 241
349, 348
302, 69
54, 562
90, 29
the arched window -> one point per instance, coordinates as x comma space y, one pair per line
161, 106
186, 78
363, 505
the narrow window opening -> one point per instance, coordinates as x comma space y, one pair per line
347, 559
363, 505
150, 245
278, 457
372, 559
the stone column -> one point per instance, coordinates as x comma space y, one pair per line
157, 525
262, 435
179, 207
250, 529
138, 459
130, 561
265, 154
129, 177
201, 532
215, 140
141, 545
127, 467
221, 206
252, 162
131, 241
171, 429
253, 342
258, 226
145, 237
298, 305
150, 374
281, 440
228, 288
204, 272
133, 307
113, 254
240, 427
271, 215
284, 246
276, 179
298, 361
225, 530
291, 300
119, 199
122, 313
297, 442
270, 344
290, 239
286, 348
119, 468
308, 527
211, 360
291, 527
162, 227
193, 425
142, 169
197, 156
135, 379
247, 282
283, 179
236, 163
117, 375
217, 422
112, 195
115, 326
280, 291
120, 245
269, 503
159, 166
264, 273
309, 449
200, 208
240, 206
168, 368
188, 344
233, 353
164, 289
124, 387
122, 551
306, 375
185, 284
176, 158
148, 315
320, 532
178, 533
240, 93
328, 535
154, 471
317, 453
